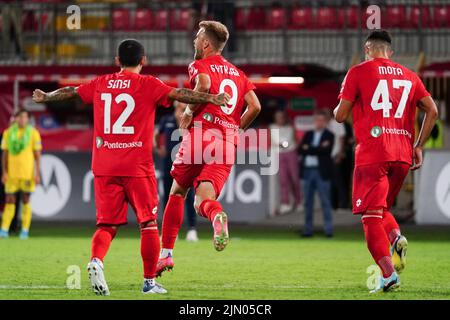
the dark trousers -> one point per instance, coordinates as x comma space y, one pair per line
313, 182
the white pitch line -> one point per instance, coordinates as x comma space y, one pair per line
36, 287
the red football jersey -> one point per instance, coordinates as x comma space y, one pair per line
124, 114
225, 77
385, 96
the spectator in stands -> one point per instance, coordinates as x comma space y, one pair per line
316, 172
339, 196
21, 145
283, 136
12, 17
168, 129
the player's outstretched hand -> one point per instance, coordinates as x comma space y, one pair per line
221, 99
417, 158
39, 96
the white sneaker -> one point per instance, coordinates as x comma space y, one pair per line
192, 236
97, 277
285, 208
150, 286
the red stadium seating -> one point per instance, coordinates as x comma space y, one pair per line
276, 18
394, 17
180, 19
121, 19
301, 18
327, 18
348, 17
256, 19
240, 19
143, 19
441, 16
161, 19
417, 14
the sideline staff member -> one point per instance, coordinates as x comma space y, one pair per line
21, 145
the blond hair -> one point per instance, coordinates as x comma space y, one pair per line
216, 32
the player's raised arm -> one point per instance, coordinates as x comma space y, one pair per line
193, 97
202, 84
65, 93
252, 111
428, 106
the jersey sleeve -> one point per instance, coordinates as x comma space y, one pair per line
420, 92
248, 86
86, 91
5, 140
195, 68
36, 141
159, 91
349, 87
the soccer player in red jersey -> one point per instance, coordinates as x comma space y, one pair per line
383, 96
209, 127
124, 105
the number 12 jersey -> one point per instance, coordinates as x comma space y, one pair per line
124, 106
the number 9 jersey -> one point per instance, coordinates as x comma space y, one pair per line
384, 95
224, 77
124, 106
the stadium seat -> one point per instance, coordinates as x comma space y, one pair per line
121, 19
441, 16
180, 19
240, 18
161, 19
301, 18
348, 17
326, 18
419, 14
395, 17
276, 18
143, 19
256, 19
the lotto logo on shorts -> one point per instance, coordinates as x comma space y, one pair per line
376, 132
358, 203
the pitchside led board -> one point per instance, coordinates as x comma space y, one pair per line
432, 193
67, 192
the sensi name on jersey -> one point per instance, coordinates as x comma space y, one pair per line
118, 84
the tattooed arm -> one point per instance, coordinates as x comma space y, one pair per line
65, 93
193, 97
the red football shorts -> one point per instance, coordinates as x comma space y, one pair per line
203, 159
375, 186
113, 194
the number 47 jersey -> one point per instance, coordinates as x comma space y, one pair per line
224, 77
124, 105
384, 95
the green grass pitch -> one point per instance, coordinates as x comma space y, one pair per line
258, 264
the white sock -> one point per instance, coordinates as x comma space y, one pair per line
152, 281
165, 253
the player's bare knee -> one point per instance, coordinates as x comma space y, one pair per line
149, 224
177, 190
10, 198
26, 198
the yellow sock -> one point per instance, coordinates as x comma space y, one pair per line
8, 216
26, 216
